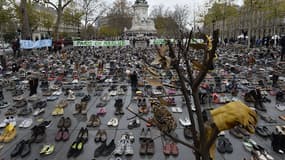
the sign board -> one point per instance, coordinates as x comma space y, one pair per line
29, 44
100, 43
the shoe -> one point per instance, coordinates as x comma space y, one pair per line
98, 136
150, 147
113, 122
103, 136
109, 149
98, 151
4, 104
102, 111
129, 151
25, 111
83, 108
84, 136
9, 134
174, 149
120, 147
75, 149
86, 98
67, 122
91, 120
235, 132
262, 131
134, 123
47, 149
18, 149
38, 111
143, 147
185, 122
58, 111
224, 145
167, 148
20, 104
280, 107
77, 109
11, 111
26, 149
142, 134
46, 124
40, 134
65, 134
8, 120
26, 123
60, 123
59, 135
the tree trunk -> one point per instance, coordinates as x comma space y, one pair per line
26, 32
58, 19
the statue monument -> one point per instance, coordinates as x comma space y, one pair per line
143, 27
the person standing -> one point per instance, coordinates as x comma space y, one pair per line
282, 43
134, 80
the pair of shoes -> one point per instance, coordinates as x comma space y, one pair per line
76, 148
11, 111
170, 148
64, 122
280, 107
102, 111
185, 122
104, 149
262, 131
224, 145
86, 98
101, 104
71, 96
124, 146
26, 123
38, 134
145, 135
62, 134
81, 108
83, 135
47, 149
40, 104
33, 98
9, 133
236, 132
4, 104
58, 111
135, 123
46, 124
39, 107
25, 111
94, 121
147, 147
20, 104
101, 136
8, 120
119, 107
257, 150
113, 122
23, 148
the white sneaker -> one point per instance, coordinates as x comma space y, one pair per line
113, 122
26, 123
38, 111
280, 107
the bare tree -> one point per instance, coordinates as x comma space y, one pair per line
181, 14
92, 10
59, 7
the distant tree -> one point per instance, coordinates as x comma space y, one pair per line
46, 19
119, 17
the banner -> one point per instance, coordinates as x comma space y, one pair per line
100, 43
29, 44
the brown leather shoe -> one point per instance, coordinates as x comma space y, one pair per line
150, 147
77, 108
91, 120
97, 121
67, 122
83, 107
143, 148
103, 137
60, 123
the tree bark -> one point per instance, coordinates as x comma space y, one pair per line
26, 32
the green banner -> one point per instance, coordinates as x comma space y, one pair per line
100, 43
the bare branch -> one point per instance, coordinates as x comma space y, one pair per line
52, 4
66, 4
